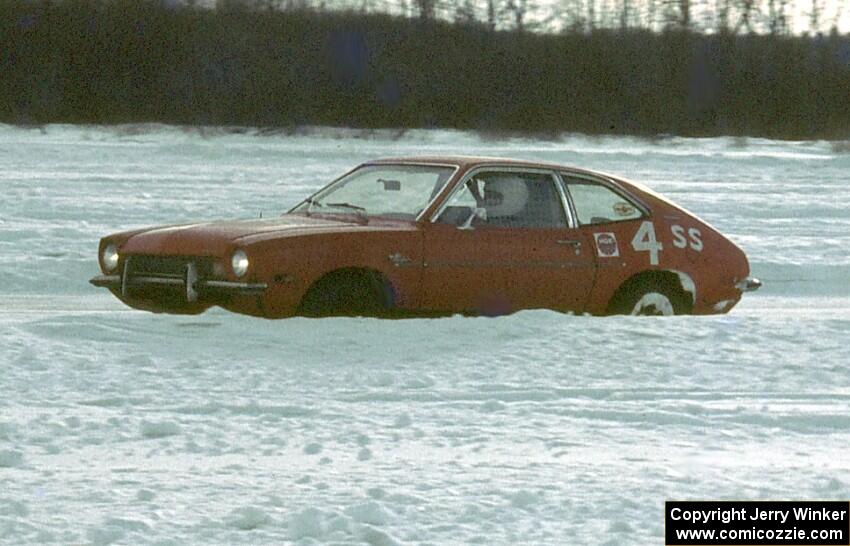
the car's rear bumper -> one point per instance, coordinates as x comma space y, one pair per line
122, 284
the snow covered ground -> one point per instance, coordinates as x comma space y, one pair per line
118, 426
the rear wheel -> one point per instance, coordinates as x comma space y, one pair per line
348, 292
654, 304
654, 295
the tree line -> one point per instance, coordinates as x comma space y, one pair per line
128, 61
776, 17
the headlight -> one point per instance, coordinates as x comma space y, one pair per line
109, 258
239, 263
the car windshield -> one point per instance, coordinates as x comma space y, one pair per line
395, 191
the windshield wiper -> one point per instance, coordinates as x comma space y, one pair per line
355, 208
311, 203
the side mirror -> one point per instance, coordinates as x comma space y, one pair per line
477, 212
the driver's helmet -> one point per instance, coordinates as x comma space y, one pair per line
505, 196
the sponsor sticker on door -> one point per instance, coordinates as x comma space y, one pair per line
606, 245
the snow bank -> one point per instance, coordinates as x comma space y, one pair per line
10, 458
125, 427
161, 429
248, 518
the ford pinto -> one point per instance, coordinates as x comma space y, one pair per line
432, 236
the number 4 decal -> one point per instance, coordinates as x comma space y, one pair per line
644, 240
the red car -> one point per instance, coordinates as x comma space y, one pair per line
435, 236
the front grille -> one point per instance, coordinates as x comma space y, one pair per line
167, 266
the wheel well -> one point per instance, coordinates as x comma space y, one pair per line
661, 278
327, 293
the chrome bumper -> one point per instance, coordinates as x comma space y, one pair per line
749, 284
122, 283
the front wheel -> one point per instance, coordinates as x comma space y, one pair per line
652, 297
348, 292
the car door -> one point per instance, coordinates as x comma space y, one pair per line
617, 225
504, 241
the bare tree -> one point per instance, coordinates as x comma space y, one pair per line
464, 11
840, 5
677, 14
685, 14
723, 13
746, 8
570, 15
491, 14
251, 5
815, 16
625, 13
651, 14
777, 19
519, 9
591, 15
427, 9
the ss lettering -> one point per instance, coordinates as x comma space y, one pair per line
694, 238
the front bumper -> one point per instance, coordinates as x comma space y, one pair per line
176, 279
750, 284
192, 287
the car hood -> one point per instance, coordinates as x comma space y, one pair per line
218, 238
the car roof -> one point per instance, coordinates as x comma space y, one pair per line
467, 162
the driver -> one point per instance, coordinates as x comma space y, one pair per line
505, 197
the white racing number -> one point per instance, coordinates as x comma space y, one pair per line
644, 240
694, 237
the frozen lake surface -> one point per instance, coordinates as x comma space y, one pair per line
118, 426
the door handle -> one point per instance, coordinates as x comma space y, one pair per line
398, 259
575, 243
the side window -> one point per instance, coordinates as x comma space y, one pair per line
598, 204
506, 199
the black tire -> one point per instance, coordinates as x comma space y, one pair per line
348, 292
651, 294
